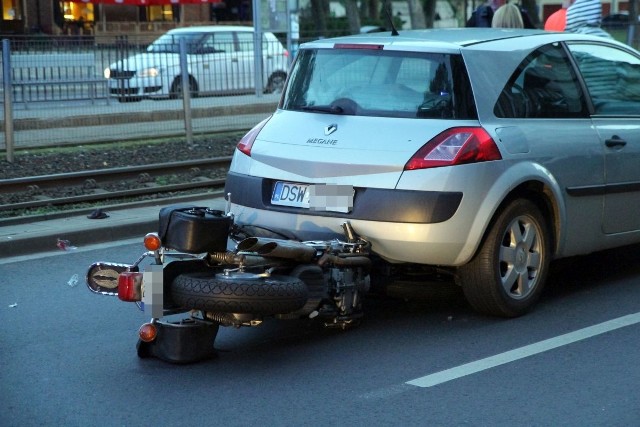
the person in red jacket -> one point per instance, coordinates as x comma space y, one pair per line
557, 21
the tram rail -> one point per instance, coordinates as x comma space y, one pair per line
97, 185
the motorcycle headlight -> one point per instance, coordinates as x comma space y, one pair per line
149, 72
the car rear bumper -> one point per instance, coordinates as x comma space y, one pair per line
370, 204
402, 225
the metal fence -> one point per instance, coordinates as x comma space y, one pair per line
80, 90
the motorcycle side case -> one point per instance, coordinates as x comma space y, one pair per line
193, 229
186, 341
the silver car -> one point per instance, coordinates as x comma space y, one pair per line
481, 154
220, 60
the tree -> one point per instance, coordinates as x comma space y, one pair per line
430, 13
320, 11
416, 14
353, 15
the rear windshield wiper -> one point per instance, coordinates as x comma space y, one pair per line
328, 109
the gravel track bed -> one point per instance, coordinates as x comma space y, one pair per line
90, 157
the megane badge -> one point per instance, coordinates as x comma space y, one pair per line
330, 129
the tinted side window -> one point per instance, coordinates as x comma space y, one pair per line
219, 42
245, 41
544, 86
612, 77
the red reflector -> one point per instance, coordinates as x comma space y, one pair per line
129, 286
358, 46
148, 332
152, 241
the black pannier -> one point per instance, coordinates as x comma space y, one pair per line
194, 229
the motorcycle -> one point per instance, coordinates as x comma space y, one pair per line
202, 265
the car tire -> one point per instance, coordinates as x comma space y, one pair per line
124, 99
264, 295
276, 83
176, 88
507, 274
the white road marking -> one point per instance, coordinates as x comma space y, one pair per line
58, 252
522, 352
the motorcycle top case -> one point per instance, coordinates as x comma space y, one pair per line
194, 229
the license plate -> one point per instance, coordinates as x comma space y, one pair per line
319, 197
290, 194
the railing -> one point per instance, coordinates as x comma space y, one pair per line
56, 83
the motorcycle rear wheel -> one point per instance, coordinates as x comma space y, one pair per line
263, 295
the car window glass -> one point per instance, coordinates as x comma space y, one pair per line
612, 77
219, 42
543, 86
245, 41
170, 43
375, 82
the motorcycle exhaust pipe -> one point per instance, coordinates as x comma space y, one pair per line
247, 260
277, 248
348, 261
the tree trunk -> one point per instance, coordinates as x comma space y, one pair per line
353, 16
318, 8
416, 14
430, 13
374, 9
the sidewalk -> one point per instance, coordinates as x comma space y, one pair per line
67, 123
31, 236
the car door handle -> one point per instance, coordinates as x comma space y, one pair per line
615, 141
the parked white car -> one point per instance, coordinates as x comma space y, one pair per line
220, 61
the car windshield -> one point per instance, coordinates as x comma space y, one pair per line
375, 82
170, 43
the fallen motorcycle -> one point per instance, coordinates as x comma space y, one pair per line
218, 274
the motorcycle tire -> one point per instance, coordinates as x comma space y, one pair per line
263, 296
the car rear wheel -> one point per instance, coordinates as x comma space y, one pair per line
276, 83
177, 88
507, 275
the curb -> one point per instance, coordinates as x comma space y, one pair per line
73, 226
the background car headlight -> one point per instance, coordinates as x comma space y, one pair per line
149, 72
107, 73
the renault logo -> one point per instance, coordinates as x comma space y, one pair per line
330, 129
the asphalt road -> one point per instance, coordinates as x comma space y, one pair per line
68, 358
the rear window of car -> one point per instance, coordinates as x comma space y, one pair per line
375, 82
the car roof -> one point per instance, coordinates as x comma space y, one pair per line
451, 38
210, 29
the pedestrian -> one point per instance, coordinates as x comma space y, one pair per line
482, 16
584, 17
507, 16
557, 21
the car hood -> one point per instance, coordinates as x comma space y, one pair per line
326, 148
145, 60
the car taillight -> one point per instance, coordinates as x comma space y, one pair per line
455, 146
247, 141
130, 286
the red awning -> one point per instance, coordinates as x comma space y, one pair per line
146, 2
